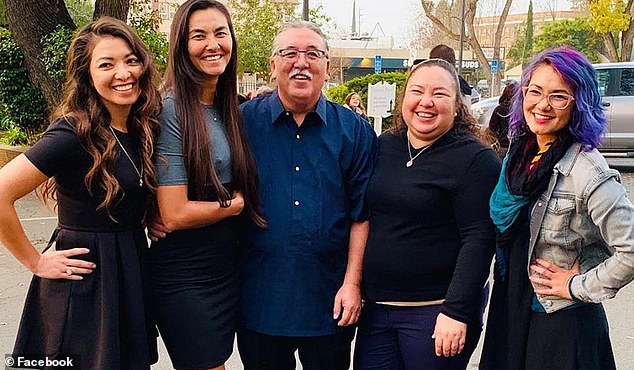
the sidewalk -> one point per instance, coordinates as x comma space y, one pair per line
39, 223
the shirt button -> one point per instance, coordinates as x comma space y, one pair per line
296, 168
539, 204
297, 136
296, 202
288, 113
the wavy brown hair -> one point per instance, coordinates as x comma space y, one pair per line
83, 108
184, 81
463, 121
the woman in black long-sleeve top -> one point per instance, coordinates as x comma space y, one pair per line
431, 240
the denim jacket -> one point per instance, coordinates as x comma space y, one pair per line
584, 214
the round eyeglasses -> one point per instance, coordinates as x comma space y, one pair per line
556, 100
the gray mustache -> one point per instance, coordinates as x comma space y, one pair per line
300, 72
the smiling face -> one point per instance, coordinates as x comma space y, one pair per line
355, 100
430, 104
209, 41
299, 81
542, 119
115, 73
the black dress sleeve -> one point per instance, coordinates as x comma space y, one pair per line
57, 149
471, 209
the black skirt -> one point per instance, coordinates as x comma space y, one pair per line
573, 339
100, 321
195, 293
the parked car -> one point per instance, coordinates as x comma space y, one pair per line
616, 85
483, 109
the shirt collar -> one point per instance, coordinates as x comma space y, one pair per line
277, 109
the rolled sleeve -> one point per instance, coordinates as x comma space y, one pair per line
360, 171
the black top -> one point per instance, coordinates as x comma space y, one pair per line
430, 232
499, 124
60, 154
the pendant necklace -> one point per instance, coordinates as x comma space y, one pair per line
140, 173
409, 151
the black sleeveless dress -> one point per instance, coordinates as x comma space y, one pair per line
101, 320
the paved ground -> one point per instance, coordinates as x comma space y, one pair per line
39, 222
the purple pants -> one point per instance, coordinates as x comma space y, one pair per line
399, 338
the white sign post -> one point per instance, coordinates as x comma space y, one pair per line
381, 101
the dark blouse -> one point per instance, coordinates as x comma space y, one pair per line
430, 233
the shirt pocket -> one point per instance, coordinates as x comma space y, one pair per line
556, 225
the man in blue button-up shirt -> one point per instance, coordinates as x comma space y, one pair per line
301, 275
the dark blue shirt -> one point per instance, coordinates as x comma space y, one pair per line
313, 180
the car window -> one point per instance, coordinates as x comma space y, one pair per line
627, 82
603, 76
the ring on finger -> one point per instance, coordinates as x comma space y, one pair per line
69, 271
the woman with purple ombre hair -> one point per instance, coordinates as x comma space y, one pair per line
565, 228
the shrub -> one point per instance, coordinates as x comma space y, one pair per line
360, 86
25, 105
15, 136
337, 93
145, 21
56, 46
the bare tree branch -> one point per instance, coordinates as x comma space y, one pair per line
428, 6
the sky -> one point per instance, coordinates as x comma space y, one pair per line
397, 16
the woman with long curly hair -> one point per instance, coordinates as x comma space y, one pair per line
206, 177
87, 297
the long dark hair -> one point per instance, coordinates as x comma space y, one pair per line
83, 108
185, 83
463, 121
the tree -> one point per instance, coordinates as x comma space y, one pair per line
576, 33
515, 55
470, 36
256, 23
528, 35
612, 20
426, 35
30, 22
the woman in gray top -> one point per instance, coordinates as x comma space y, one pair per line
206, 177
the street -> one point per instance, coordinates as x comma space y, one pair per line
39, 222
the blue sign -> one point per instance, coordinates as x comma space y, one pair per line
494, 66
378, 64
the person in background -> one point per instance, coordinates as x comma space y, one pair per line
469, 94
301, 275
354, 103
87, 298
431, 241
565, 225
499, 122
207, 177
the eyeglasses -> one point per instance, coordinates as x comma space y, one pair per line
556, 100
291, 55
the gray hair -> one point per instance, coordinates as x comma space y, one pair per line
298, 24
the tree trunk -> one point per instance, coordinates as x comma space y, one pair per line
495, 88
113, 8
610, 47
29, 21
628, 35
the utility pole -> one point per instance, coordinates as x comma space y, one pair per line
305, 12
462, 31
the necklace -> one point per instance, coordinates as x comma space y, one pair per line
140, 173
409, 150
